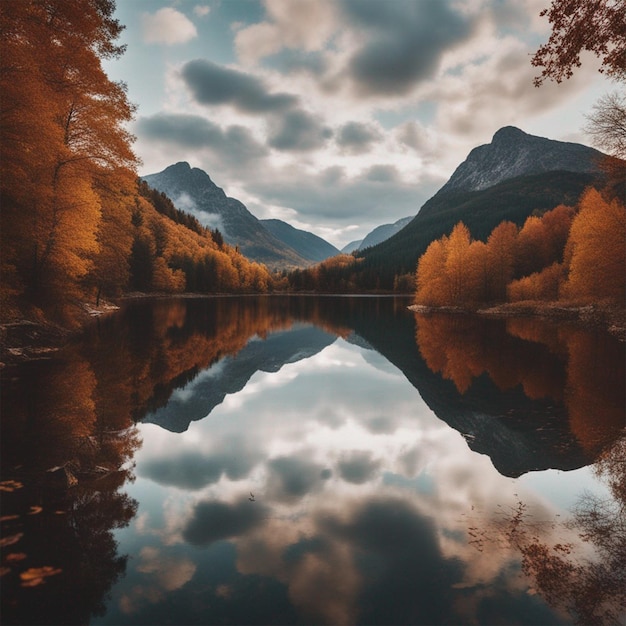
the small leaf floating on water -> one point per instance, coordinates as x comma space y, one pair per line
34, 510
6, 518
10, 540
36, 575
10, 485
15, 556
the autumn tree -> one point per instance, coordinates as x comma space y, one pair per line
596, 251
110, 272
62, 131
544, 285
432, 288
456, 256
597, 26
502, 250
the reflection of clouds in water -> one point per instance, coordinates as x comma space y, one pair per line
214, 520
316, 450
190, 469
358, 466
163, 572
292, 478
170, 572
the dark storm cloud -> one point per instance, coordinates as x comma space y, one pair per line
404, 42
356, 137
358, 466
235, 143
291, 478
298, 130
194, 471
212, 84
212, 520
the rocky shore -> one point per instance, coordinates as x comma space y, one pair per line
30, 339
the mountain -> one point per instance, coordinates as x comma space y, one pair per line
508, 179
351, 247
306, 244
192, 190
513, 153
200, 396
383, 232
519, 434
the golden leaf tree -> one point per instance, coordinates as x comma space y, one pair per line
62, 131
596, 251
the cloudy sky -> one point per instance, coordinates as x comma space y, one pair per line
338, 115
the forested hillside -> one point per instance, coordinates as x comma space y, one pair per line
566, 254
75, 223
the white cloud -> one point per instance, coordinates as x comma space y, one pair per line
201, 10
167, 26
306, 24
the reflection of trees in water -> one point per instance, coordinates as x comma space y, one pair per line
70, 441
69, 533
585, 574
584, 370
68, 462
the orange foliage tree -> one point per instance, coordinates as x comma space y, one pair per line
432, 288
455, 270
62, 133
502, 253
596, 251
598, 26
560, 255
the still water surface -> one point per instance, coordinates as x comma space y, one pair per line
300, 460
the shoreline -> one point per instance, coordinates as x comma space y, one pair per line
25, 340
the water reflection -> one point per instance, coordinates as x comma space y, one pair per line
290, 471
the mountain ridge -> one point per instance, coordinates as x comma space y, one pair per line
513, 153
307, 244
192, 190
508, 179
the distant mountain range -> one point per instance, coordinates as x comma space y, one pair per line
507, 179
308, 245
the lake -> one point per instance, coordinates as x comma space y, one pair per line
315, 460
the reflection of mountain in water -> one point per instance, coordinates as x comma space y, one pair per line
200, 396
518, 433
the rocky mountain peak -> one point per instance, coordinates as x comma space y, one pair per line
508, 134
513, 153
